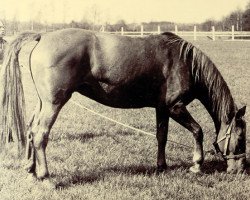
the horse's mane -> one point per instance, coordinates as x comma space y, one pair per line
205, 75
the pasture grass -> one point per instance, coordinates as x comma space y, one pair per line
91, 158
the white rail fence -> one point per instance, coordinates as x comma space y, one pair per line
213, 35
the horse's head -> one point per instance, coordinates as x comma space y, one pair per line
231, 143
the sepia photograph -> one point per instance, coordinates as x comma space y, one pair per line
124, 100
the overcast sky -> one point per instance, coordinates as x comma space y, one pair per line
186, 11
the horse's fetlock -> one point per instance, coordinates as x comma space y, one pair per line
198, 158
42, 173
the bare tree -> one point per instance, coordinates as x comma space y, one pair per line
94, 15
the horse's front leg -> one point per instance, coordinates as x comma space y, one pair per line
162, 120
181, 115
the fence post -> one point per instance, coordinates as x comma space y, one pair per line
232, 32
175, 29
195, 36
213, 33
32, 25
141, 30
159, 29
102, 29
122, 33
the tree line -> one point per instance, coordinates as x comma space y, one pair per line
239, 18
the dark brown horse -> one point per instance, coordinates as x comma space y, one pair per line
162, 71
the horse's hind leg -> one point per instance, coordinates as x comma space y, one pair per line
180, 114
30, 155
41, 126
46, 119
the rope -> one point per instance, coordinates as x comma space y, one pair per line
211, 151
125, 125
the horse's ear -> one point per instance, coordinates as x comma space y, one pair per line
240, 113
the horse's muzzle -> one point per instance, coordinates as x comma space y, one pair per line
236, 165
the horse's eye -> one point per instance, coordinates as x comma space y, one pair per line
239, 127
238, 131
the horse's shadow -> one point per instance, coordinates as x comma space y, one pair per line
79, 178
89, 177
93, 176
86, 136
83, 137
212, 166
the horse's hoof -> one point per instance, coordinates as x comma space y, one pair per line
161, 169
195, 169
46, 181
29, 167
42, 174
48, 184
42, 177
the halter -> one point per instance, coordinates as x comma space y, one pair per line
227, 138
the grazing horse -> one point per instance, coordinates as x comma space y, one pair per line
162, 71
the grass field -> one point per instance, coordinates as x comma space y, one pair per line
91, 158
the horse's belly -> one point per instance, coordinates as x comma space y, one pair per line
121, 96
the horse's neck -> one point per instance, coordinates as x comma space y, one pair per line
215, 95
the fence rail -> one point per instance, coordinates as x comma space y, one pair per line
213, 35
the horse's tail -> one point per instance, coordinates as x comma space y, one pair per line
12, 104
